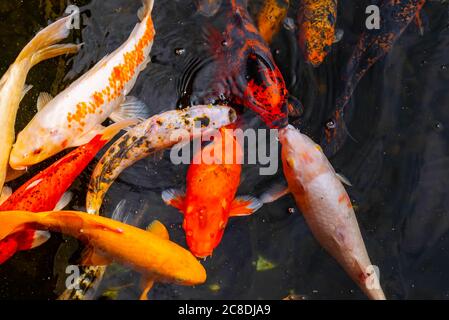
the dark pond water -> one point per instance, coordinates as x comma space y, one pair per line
398, 161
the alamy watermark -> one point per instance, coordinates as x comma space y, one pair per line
228, 146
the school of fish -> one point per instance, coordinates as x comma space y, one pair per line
248, 77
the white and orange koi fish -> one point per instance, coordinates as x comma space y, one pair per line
326, 206
12, 84
74, 116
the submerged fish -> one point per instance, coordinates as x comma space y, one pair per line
108, 240
209, 200
208, 8
246, 69
372, 46
74, 116
270, 18
327, 207
153, 135
46, 190
316, 24
12, 84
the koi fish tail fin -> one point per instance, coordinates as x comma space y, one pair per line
54, 51
12, 222
16, 233
43, 47
145, 9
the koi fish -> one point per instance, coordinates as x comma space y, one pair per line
107, 240
46, 190
153, 135
246, 68
372, 46
208, 8
206, 214
12, 85
327, 208
316, 24
270, 18
75, 115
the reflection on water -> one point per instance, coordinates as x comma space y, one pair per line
398, 161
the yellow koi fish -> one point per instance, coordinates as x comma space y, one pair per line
74, 116
12, 84
107, 240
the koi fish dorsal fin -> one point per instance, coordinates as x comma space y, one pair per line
91, 257
42, 100
174, 198
145, 9
157, 228
244, 206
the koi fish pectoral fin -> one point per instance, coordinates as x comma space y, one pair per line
39, 238
64, 201
26, 89
274, 193
42, 100
131, 108
146, 285
244, 206
174, 198
5, 194
91, 257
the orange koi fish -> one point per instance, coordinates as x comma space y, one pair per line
149, 253
75, 115
209, 200
270, 18
316, 24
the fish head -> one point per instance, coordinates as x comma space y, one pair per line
266, 92
34, 145
302, 158
204, 227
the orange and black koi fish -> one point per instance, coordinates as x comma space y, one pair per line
316, 23
372, 46
246, 69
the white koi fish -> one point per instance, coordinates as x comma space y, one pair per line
74, 116
12, 84
327, 208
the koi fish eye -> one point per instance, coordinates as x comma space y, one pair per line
330, 124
